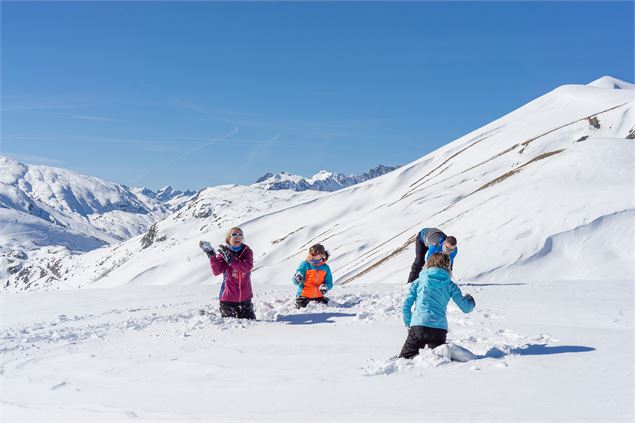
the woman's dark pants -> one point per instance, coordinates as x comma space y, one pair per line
419, 337
242, 310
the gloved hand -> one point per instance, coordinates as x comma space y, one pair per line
224, 252
468, 297
323, 289
207, 248
299, 278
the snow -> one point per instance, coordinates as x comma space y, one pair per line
541, 201
612, 83
79, 206
560, 350
321, 181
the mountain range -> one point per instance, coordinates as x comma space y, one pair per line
321, 181
544, 192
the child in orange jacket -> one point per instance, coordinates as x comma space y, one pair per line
313, 277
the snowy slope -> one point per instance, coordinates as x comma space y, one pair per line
559, 168
61, 211
213, 209
321, 181
83, 204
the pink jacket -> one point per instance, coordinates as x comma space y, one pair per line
236, 286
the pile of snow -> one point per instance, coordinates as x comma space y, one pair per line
321, 181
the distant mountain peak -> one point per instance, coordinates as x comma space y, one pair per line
165, 195
264, 177
324, 180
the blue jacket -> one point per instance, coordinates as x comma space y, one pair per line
438, 246
430, 294
314, 276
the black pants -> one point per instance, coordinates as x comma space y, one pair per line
419, 337
420, 259
301, 302
243, 310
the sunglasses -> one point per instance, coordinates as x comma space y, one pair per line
237, 235
315, 254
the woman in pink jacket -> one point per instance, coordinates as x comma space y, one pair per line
235, 261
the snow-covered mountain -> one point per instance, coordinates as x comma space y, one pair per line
42, 206
166, 196
321, 181
542, 193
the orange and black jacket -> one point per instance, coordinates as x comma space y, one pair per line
314, 276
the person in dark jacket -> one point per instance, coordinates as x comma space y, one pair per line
428, 242
430, 295
234, 260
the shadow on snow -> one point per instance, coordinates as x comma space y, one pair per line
493, 284
311, 318
538, 349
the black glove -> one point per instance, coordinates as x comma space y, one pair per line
299, 278
323, 289
468, 297
207, 248
227, 256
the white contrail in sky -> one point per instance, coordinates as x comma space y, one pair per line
188, 152
234, 130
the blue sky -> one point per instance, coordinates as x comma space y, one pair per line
207, 93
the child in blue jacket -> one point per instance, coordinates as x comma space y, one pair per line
313, 277
431, 293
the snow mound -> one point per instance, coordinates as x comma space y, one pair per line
604, 244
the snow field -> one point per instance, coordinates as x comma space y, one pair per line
147, 353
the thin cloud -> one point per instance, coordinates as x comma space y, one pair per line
187, 153
147, 85
34, 159
54, 110
78, 139
86, 117
261, 151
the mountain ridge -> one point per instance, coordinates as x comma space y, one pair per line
321, 181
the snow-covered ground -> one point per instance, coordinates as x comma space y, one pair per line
548, 351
